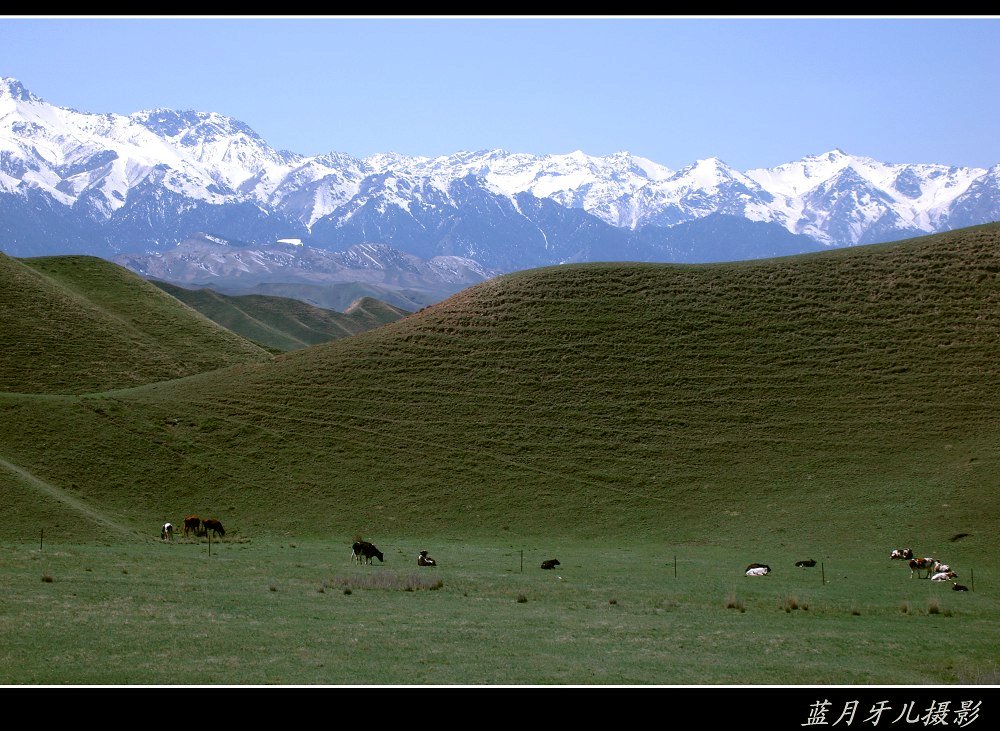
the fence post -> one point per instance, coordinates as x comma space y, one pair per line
41, 539
822, 572
675, 567
522, 560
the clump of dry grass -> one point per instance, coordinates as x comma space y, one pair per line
387, 580
521, 599
733, 602
790, 603
46, 578
855, 610
990, 676
933, 605
612, 601
904, 607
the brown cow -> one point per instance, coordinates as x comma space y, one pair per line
424, 560
192, 523
211, 524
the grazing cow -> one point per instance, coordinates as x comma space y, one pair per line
192, 523
758, 570
959, 587
366, 551
805, 564
903, 554
211, 524
167, 531
944, 576
424, 560
550, 563
922, 564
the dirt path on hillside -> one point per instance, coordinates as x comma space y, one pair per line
50, 490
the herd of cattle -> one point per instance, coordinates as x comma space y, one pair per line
932, 568
194, 525
365, 552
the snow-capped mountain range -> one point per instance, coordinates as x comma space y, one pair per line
106, 184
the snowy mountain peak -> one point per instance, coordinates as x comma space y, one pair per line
152, 177
12, 89
188, 126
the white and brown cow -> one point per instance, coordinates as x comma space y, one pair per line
944, 576
901, 554
922, 564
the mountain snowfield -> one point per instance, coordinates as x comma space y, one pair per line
151, 179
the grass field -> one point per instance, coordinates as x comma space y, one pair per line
830, 406
300, 613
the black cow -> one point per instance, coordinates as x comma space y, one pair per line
805, 564
211, 524
550, 564
959, 587
365, 550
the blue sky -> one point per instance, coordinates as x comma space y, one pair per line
753, 91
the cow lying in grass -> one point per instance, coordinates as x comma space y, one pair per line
758, 569
806, 564
424, 560
550, 563
944, 576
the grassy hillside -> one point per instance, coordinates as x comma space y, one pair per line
283, 323
847, 399
79, 324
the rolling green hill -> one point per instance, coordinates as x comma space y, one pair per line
79, 324
848, 398
283, 323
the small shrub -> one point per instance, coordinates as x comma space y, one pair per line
46, 578
904, 607
933, 605
855, 610
732, 602
521, 599
791, 603
347, 590
273, 587
612, 601
321, 590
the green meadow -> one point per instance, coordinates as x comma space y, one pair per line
655, 427
251, 612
